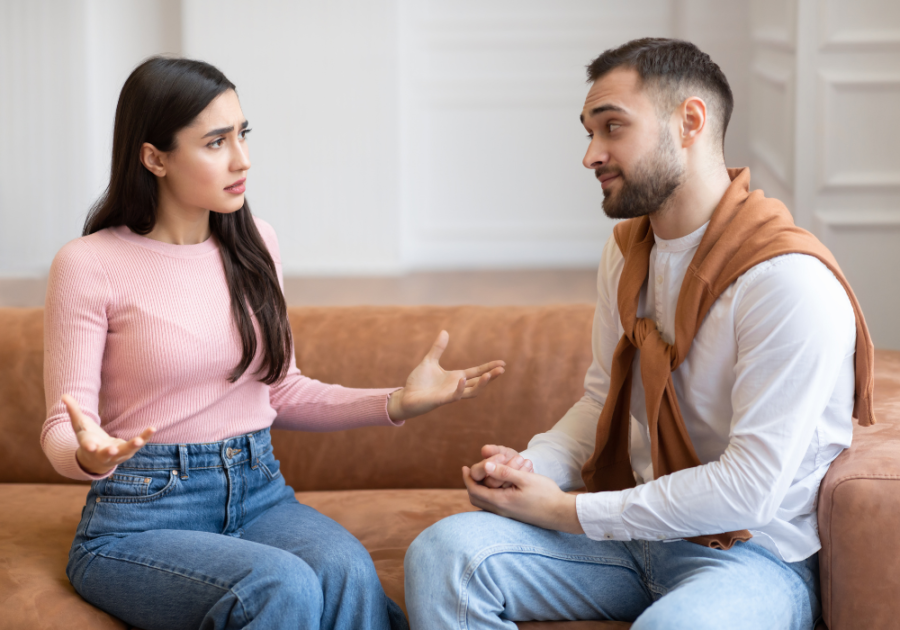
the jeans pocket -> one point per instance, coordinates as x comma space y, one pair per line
121, 485
152, 486
271, 467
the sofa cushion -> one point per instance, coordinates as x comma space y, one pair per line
38, 523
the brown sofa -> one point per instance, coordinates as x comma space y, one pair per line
386, 485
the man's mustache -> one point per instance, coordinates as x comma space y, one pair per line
600, 172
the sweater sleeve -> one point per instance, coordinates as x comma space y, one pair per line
305, 404
75, 328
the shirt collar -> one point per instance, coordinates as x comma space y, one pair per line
675, 245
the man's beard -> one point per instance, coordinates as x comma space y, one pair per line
654, 179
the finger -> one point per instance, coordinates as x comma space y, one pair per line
475, 489
506, 474
495, 373
481, 369
74, 411
474, 390
477, 471
440, 344
135, 444
489, 450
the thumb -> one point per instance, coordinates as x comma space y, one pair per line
440, 344
75, 415
506, 474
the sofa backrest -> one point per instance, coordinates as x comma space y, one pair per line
547, 350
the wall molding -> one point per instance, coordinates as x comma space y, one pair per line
830, 83
832, 37
778, 165
871, 218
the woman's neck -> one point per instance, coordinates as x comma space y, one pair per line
180, 226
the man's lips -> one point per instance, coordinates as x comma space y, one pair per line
606, 178
237, 187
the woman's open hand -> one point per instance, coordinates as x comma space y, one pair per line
429, 386
98, 452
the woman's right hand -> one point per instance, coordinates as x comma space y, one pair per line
98, 452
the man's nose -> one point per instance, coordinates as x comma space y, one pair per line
596, 155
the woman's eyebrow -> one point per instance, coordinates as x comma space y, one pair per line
221, 131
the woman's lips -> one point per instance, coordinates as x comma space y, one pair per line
237, 187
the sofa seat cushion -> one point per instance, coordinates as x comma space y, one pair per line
38, 521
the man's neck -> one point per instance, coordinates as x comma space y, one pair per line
692, 204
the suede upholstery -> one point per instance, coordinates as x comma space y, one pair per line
386, 485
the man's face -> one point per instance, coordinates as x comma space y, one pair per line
632, 151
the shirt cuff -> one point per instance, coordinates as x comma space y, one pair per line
541, 466
600, 515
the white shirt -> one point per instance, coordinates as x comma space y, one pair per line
766, 392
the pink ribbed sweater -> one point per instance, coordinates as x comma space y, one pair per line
141, 334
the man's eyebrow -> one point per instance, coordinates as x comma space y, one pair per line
604, 108
221, 131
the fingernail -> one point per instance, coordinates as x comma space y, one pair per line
489, 466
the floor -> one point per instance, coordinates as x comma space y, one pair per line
488, 288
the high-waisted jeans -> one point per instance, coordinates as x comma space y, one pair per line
210, 536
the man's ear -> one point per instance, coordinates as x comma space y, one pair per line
153, 159
693, 120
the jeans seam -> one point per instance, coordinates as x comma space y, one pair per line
207, 580
478, 560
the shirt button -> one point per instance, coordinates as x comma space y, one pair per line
608, 536
661, 537
659, 279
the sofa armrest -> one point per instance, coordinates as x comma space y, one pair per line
859, 514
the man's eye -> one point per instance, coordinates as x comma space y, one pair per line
613, 126
244, 133
590, 136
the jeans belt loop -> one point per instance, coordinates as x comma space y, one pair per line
254, 452
183, 460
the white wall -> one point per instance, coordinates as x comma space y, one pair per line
825, 99
390, 135
492, 145
318, 82
61, 67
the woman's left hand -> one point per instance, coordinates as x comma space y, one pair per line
430, 386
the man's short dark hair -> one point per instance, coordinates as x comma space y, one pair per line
674, 70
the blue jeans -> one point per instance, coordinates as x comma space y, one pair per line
209, 536
482, 571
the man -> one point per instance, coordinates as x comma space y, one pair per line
729, 358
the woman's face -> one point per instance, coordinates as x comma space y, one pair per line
207, 170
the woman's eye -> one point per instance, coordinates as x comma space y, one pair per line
215, 144
613, 126
590, 136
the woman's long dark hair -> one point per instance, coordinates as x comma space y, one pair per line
161, 97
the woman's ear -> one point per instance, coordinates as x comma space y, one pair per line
153, 159
693, 120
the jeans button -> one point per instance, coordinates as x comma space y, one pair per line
229, 453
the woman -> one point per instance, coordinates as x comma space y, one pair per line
167, 320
